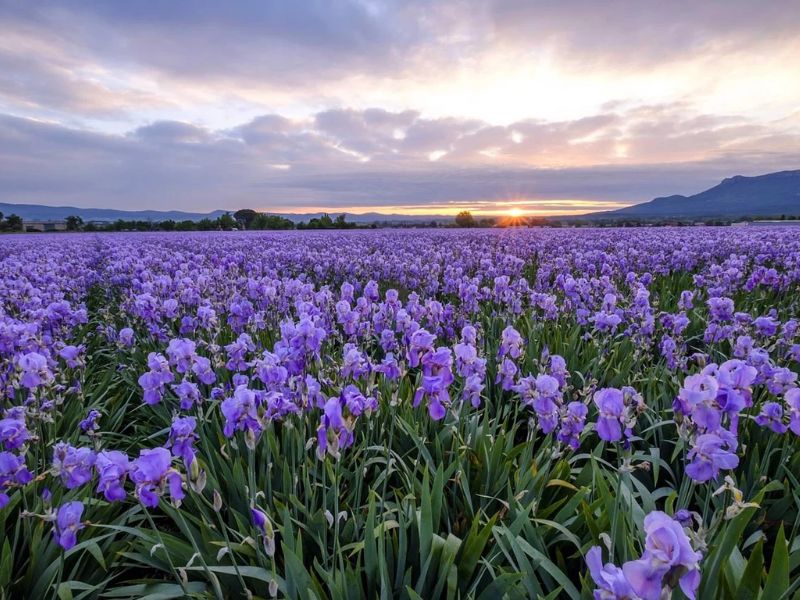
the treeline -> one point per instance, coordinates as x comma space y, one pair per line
10, 223
325, 222
245, 219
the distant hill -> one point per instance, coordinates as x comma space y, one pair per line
40, 212
764, 195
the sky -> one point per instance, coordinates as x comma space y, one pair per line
407, 106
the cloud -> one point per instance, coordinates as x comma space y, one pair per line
377, 158
496, 60
646, 33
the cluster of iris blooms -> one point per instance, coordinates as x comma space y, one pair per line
305, 326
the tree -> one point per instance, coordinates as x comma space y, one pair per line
245, 216
226, 222
465, 219
74, 223
14, 223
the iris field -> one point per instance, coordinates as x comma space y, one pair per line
607, 413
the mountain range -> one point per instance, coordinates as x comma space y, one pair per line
773, 194
41, 212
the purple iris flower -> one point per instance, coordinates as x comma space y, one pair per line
541, 393
686, 301
270, 371
420, 344
572, 424
781, 379
510, 343
708, 456
766, 325
241, 413
356, 402
334, 432
126, 337
152, 387
12, 472
558, 368
308, 337
73, 465
71, 356
68, 524
14, 431
473, 388
437, 375
182, 437
152, 473
466, 356
35, 371
610, 580
389, 367
668, 551
156, 378
188, 394
792, 398
720, 308
506, 371
237, 353
771, 416
388, 340
112, 469
202, 369
611, 407
313, 391
355, 364
89, 424
181, 353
